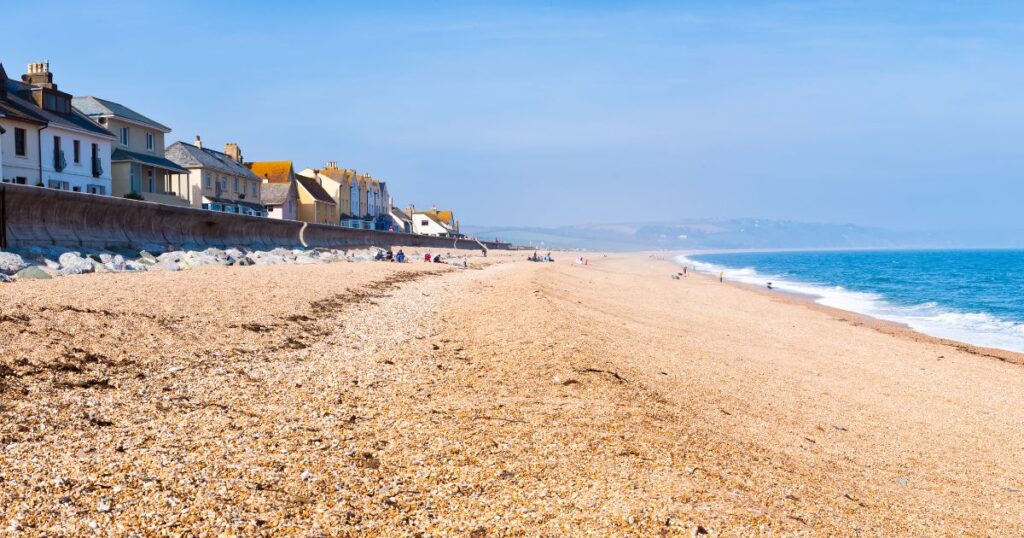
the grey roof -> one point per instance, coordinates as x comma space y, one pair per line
95, 107
151, 160
276, 193
400, 214
73, 120
189, 156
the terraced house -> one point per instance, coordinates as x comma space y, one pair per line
315, 205
46, 142
139, 168
218, 181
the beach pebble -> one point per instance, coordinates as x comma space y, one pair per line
33, 272
11, 263
147, 258
73, 264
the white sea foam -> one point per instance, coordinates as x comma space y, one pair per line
931, 318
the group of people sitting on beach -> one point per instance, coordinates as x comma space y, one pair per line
389, 256
537, 258
400, 257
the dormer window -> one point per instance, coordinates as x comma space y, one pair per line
56, 103
124, 136
149, 141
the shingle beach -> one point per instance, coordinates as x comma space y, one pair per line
507, 399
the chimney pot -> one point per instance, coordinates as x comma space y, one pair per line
199, 142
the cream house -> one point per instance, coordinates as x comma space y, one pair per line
217, 181
138, 166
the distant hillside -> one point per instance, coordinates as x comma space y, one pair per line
734, 234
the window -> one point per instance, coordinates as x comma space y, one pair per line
19, 142
96, 189
56, 184
134, 178
424, 222
206, 180
21, 180
151, 180
149, 141
78, 151
124, 136
76, 189
236, 185
50, 101
58, 155
255, 188
97, 166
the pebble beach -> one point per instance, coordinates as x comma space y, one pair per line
509, 398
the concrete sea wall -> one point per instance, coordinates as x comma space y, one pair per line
36, 216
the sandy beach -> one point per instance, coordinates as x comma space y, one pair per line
511, 398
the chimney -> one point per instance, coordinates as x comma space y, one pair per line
39, 75
266, 179
231, 150
199, 142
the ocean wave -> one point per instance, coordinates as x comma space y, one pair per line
931, 318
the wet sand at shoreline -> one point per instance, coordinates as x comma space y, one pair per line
515, 398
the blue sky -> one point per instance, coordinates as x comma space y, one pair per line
905, 115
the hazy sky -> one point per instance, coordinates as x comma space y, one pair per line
898, 114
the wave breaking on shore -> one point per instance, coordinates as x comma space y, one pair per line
930, 318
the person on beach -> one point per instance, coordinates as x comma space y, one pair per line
400, 257
437, 259
379, 255
684, 270
721, 276
770, 286
390, 256
426, 257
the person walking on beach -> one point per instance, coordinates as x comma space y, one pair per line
684, 270
721, 276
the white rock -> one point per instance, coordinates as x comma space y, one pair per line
73, 264
11, 263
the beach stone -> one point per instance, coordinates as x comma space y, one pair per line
246, 261
4, 278
234, 253
11, 263
168, 265
73, 264
134, 266
215, 253
98, 267
147, 258
33, 272
174, 255
196, 259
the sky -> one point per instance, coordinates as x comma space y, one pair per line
905, 115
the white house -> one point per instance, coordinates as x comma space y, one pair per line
51, 144
434, 222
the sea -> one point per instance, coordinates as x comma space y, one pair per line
972, 296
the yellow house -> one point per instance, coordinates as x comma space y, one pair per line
338, 183
315, 205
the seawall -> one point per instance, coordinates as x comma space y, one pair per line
36, 216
